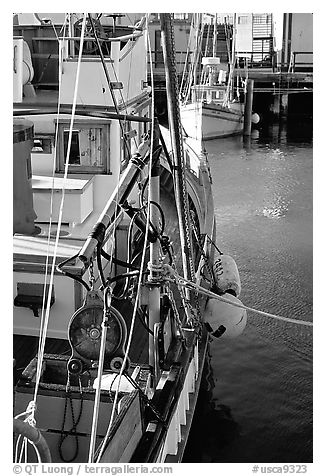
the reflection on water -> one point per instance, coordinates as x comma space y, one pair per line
260, 409
219, 417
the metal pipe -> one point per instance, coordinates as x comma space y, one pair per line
28, 109
106, 314
131, 36
154, 284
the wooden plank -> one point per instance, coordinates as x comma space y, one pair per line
125, 434
52, 420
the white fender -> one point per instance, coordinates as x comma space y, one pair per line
227, 275
223, 320
28, 70
255, 118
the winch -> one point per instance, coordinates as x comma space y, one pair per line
85, 332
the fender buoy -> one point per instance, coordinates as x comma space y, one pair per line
226, 275
223, 320
255, 118
28, 70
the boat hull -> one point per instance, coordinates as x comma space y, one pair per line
211, 121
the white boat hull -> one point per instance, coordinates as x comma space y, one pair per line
211, 121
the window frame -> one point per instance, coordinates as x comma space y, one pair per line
79, 124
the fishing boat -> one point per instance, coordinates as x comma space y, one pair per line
211, 107
113, 233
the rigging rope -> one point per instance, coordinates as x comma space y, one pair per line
179, 171
183, 84
115, 102
45, 319
142, 265
199, 289
51, 210
102, 348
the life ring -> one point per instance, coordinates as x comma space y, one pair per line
35, 436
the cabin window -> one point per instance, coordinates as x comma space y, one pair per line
180, 16
217, 95
89, 150
42, 144
242, 20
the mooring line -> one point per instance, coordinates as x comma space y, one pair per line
199, 289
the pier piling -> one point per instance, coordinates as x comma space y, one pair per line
248, 108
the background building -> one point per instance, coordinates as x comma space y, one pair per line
297, 45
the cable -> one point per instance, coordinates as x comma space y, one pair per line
115, 103
99, 264
118, 261
141, 315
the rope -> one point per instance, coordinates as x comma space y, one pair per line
199, 289
106, 73
45, 319
206, 292
183, 85
43, 324
142, 265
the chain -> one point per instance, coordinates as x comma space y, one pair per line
182, 178
207, 264
91, 275
192, 314
175, 312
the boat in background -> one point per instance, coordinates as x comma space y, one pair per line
212, 108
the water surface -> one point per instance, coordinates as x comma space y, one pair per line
259, 407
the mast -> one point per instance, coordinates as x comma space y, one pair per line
198, 45
233, 57
179, 173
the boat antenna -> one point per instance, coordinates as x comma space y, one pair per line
179, 172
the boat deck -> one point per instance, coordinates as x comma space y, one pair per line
25, 348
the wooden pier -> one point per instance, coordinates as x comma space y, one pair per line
276, 85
